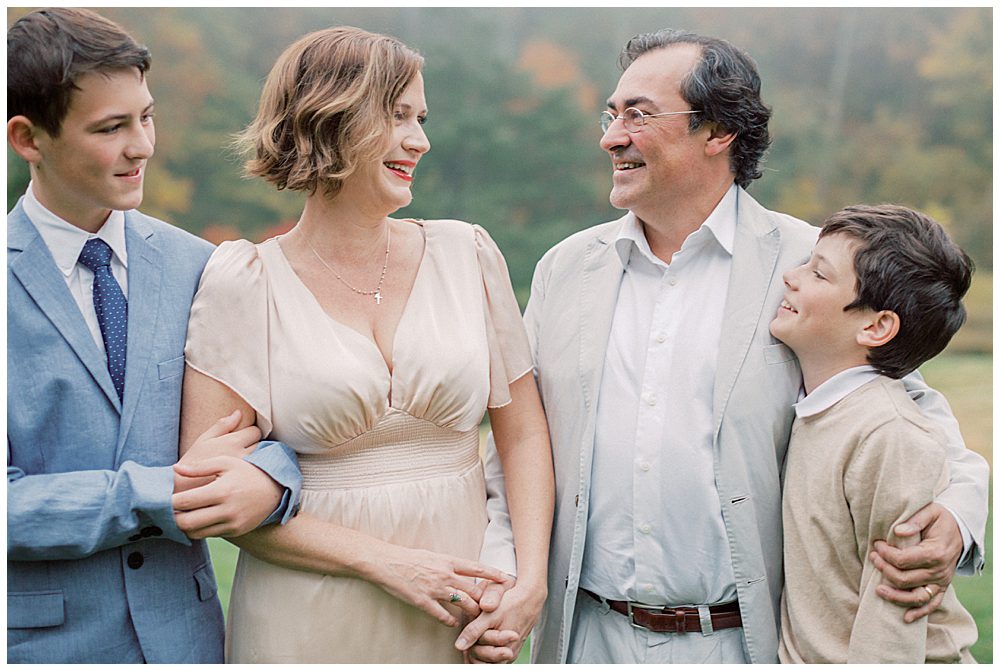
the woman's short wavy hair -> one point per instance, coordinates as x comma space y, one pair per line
725, 86
326, 108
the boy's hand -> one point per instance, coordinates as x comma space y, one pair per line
919, 575
224, 438
239, 497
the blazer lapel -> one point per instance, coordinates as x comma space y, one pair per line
601, 279
36, 270
755, 253
145, 272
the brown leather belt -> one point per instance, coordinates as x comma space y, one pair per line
674, 620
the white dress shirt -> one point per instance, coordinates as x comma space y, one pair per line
834, 389
65, 242
655, 529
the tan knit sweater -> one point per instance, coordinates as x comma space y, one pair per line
852, 472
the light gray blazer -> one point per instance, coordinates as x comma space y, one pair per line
568, 319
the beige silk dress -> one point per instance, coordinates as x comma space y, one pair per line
393, 455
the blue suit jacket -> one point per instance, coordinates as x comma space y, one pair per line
97, 571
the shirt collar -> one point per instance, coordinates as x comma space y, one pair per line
65, 241
834, 390
720, 225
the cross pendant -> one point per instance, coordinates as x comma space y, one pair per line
378, 298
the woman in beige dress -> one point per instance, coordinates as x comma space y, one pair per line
372, 346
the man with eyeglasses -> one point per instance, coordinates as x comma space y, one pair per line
670, 404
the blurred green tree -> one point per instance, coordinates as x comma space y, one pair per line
508, 154
870, 104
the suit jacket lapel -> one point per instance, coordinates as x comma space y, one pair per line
36, 270
755, 253
601, 279
145, 272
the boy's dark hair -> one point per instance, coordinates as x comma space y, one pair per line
905, 262
48, 50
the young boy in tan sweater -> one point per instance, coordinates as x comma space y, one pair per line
880, 295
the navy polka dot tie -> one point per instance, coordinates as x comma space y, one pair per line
111, 308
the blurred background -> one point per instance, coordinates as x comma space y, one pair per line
870, 105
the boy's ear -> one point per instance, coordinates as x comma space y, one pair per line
879, 329
22, 136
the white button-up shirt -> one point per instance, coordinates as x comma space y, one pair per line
65, 242
834, 389
655, 530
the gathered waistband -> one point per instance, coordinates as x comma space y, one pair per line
397, 449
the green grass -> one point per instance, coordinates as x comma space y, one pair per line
977, 333
224, 556
976, 594
966, 380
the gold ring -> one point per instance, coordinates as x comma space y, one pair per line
927, 589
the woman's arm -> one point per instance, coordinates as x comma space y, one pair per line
418, 577
522, 440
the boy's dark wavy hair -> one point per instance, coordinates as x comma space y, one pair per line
49, 50
905, 262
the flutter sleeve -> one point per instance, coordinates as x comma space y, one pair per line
510, 354
227, 335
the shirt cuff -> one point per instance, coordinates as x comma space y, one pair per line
279, 462
282, 513
152, 495
968, 545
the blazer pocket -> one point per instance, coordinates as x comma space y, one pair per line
778, 353
29, 610
204, 578
171, 368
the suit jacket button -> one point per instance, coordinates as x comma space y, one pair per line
135, 560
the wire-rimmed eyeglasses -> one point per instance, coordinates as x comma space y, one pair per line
634, 119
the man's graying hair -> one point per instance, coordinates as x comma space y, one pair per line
725, 86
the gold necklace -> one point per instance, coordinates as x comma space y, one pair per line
377, 291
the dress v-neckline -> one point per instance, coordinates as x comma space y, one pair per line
390, 367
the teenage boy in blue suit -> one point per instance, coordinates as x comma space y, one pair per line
104, 561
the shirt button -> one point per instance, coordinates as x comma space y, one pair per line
661, 338
650, 589
135, 560
645, 528
673, 281
650, 399
644, 466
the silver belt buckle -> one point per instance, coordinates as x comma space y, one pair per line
644, 606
